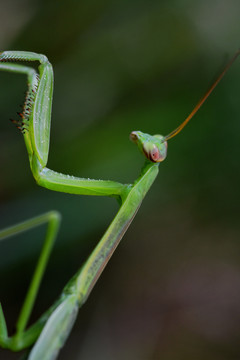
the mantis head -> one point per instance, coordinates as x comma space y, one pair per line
155, 147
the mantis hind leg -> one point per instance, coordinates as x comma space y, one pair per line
19, 341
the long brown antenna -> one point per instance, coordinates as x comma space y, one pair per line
201, 101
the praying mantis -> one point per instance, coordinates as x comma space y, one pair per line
44, 339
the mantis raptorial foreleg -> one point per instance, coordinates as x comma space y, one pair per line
51, 330
35, 125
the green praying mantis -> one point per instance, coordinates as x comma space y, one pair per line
44, 339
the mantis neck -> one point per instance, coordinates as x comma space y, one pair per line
87, 276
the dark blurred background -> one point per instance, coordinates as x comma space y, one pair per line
172, 289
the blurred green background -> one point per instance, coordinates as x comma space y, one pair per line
172, 289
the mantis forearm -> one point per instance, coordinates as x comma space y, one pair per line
70, 184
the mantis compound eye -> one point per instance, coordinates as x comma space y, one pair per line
133, 136
155, 153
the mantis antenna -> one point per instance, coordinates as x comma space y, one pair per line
202, 100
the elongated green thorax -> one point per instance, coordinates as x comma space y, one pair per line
154, 147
